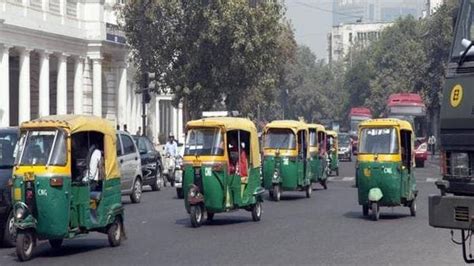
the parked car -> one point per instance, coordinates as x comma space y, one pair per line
8, 140
130, 166
421, 152
151, 163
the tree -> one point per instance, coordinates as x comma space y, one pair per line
211, 54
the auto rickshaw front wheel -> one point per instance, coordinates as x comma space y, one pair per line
25, 243
276, 193
375, 211
196, 215
114, 232
413, 207
309, 190
257, 211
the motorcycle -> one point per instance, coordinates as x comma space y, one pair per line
169, 168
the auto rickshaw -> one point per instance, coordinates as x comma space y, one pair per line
317, 153
59, 190
385, 166
221, 168
332, 150
286, 156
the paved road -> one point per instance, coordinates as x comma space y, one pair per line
326, 229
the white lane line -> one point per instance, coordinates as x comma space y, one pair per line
431, 180
348, 178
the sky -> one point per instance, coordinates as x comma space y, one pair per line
311, 24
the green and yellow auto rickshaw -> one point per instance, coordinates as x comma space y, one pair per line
66, 182
332, 147
385, 166
318, 155
286, 156
221, 168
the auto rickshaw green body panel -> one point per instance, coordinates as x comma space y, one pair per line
287, 171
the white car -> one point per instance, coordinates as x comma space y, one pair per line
130, 166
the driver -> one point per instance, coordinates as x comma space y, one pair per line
171, 147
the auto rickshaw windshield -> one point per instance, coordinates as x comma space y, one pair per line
42, 147
280, 138
7, 146
313, 138
378, 141
204, 141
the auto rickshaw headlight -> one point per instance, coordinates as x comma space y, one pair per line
20, 213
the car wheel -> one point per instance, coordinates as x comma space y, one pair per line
114, 233
137, 191
25, 243
9, 232
158, 184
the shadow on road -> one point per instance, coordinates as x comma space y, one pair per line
69, 248
219, 221
383, 216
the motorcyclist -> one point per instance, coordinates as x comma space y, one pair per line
171, 147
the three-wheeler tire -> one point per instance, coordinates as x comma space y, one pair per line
114, 232
196, 215
56, 243
337, 171
179, 193
375, 211
257, 211
276, 193
413, 207
365, 210
210, 216
9, 232
324, 183
309, 190
25, 243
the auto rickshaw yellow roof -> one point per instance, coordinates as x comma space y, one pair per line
73, 123
291, 124
402, 124
318, 127
229, 123
331, 133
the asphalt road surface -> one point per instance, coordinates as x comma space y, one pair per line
326, 229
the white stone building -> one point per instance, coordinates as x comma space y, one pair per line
343, 37
68, 56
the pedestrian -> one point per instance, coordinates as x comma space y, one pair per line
118, 127
139, 131
432, 144
125, 128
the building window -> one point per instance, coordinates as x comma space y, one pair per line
35, 3
71, 8
54, 6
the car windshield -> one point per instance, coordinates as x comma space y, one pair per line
204, 141
42, 147
464, 31
7, 148
378, 141
277, 138
344, 139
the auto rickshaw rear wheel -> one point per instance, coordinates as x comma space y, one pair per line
365, 210
179, 193
413, 207
375, 211
25, 243
257, 211
337, 171
324, 183
309, 189
56, 243
276, 193
114, 232
196, 215
210, 216
8, 234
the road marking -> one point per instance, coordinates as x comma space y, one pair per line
332, 178
349, 178
431, 180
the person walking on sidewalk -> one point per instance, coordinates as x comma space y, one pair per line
432, 143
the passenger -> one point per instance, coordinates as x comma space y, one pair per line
243, 163
94, 159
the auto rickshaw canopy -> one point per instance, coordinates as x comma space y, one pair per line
81, 123
229, 124
331, 133
390, 122
293, 125
318, 127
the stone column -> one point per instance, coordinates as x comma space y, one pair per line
5, 85
78, 90
97, 87
158, 120
122, 93
61, 97
180, 122
24, 112
44, 85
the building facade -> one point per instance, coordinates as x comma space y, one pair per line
372, 11
344, 37
67, 57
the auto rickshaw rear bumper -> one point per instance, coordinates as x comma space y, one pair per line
453, 212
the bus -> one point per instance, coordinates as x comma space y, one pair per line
410, 107
356, 116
